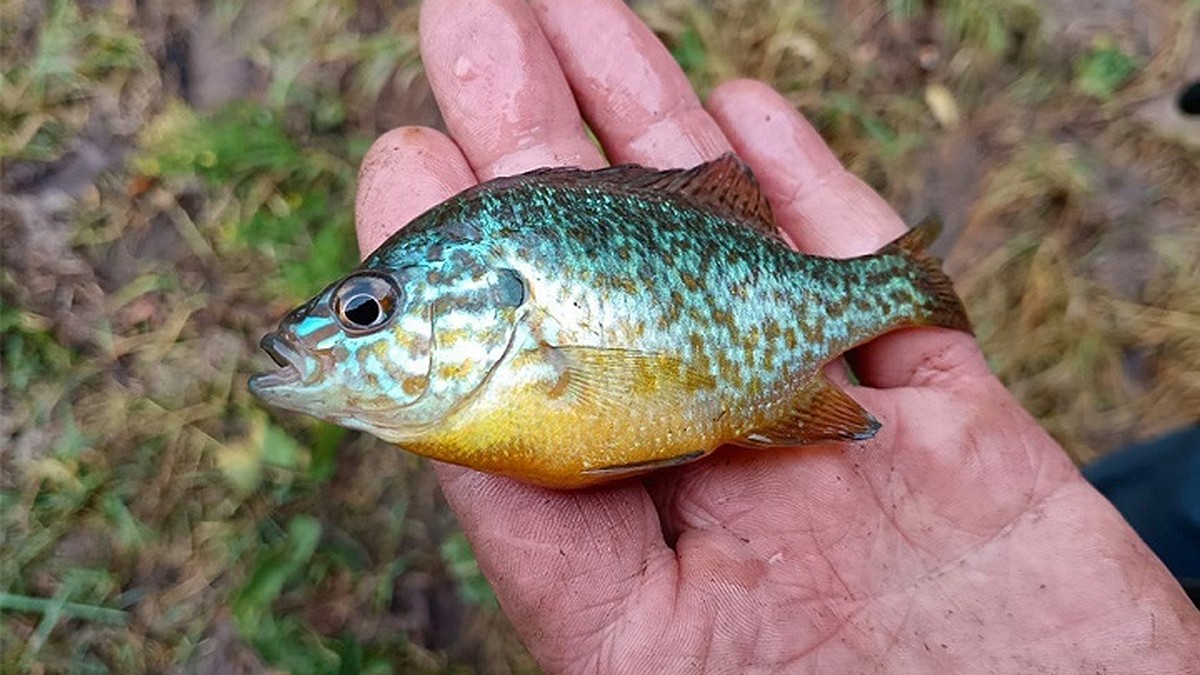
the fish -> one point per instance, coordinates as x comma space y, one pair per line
569, 327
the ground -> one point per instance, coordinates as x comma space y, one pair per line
177, 174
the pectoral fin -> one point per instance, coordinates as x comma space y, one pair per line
599, 378
820, 412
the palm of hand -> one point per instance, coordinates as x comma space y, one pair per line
830, 557
960, 538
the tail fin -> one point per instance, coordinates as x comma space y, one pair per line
941, 305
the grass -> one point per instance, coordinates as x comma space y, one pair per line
153, 516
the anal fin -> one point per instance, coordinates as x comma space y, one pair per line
820, 412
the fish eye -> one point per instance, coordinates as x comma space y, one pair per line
365, 302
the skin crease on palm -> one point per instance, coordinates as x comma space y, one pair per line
959, 539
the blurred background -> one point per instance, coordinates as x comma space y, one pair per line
177, 174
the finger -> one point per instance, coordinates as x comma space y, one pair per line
634, 96
829, 211
824, 208
534, 544
406, 172
642, 107
500, 89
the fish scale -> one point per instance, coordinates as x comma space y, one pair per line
590, 325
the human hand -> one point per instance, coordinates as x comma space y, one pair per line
959, 539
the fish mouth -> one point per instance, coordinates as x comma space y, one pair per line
289, 360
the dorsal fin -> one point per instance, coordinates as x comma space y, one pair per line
725, 185
916, 240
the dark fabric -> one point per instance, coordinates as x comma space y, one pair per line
1156, 486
